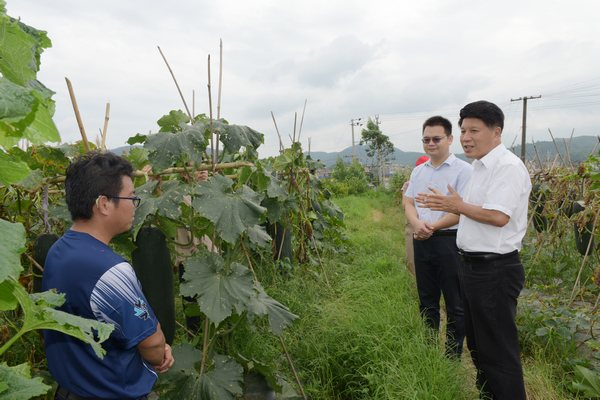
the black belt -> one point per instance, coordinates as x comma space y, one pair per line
445, 232
485, 257
72, 396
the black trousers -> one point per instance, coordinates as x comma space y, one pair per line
490, 290
436, 267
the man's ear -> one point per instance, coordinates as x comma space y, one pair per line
101, 206
498, 131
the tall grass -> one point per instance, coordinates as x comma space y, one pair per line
364, 338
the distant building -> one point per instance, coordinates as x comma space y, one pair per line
323, 173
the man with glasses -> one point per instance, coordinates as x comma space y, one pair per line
435, 251
99, 284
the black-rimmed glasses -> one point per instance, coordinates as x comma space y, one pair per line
136, 200
435, 140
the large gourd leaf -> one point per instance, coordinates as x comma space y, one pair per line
17, 51
220, 380
236, 136
165, 148
218, 292
231, 213
258, 235
12, 171
16, 102
12, 244
279, 315
40, 316
171, 122
167, 205
19, 384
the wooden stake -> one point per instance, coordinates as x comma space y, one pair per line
176, 84
295, 119
556, 147
220, 80
587, 252
302, 120
77, 116
105, 127
212, 140
277, 129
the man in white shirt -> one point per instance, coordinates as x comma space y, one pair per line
493, 221
435, 252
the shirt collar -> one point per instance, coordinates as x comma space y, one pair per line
449, 161
490, 157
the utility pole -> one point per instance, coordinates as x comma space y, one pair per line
353, 125
523, 134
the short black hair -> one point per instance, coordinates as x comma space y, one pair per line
438, 121
92, 175
491, 115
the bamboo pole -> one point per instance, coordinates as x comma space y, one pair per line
592, 153
295, 119
556, 147
587, 252
220, 79
277, 129
212, 139
302, 120
176, 84
103, 149
567, 155
77, 115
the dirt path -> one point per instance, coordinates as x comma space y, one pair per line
377, 215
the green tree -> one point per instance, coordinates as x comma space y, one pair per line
340, 171
380, 148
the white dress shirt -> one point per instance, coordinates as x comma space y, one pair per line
500, 182
452, 171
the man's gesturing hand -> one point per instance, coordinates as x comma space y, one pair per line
437, 202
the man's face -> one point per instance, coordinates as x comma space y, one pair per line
124, 212
440, 149
477, 139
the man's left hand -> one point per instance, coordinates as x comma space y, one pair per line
436, 201
168, 361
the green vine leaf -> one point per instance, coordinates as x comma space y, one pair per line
165, 148
18, 383
12, 171
12, 244
218, 292
279, 316
258, 235
221, 379
236, 136
231, 213
33, 181
167, 205
171, 122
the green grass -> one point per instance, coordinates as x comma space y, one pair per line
363, 338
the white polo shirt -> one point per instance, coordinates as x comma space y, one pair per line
500, 182
453, 171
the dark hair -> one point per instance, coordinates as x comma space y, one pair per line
438, 121
491, 115
94, 174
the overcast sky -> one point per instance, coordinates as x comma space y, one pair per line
402, 61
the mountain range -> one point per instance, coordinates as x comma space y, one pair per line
579, 150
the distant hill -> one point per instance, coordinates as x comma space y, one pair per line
581, 147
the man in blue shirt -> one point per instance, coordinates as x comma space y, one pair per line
99, 284
435, 251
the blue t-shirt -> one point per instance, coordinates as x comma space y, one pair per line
98, 284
